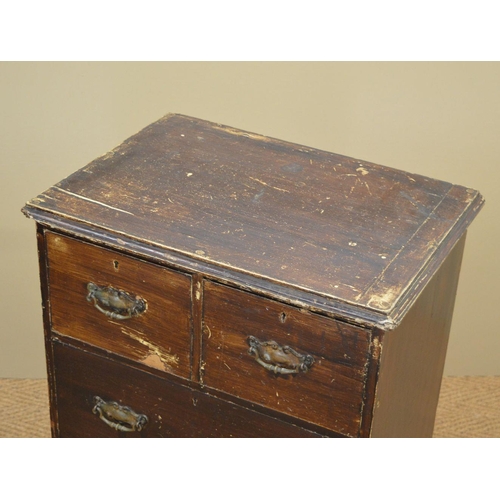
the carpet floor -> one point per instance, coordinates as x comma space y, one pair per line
468, 407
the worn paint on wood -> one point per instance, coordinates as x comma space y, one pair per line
172, 410
160, 337
329, 394
218, 235
358, 236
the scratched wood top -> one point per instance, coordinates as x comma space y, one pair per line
363, 236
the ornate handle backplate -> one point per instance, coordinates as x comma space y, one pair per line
114, 303
279, 359
121, 418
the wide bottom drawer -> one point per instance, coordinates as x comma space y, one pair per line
98, 397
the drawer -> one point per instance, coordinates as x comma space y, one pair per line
319, 377
98, 397
127, 306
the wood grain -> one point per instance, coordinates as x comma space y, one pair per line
330, 394
358, 235
228, 235
160, 337
173, 410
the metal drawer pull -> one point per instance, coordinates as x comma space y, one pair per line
121, 418
283, 360
114, 303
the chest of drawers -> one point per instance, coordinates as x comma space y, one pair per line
202, 281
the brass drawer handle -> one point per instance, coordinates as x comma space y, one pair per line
114, 303
277, 359
121, 418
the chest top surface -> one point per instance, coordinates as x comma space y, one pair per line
362, 236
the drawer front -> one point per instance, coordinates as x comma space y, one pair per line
124, 305
98, 397
319, 377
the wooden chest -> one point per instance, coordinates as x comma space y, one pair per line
199, 280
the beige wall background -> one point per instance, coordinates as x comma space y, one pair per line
437, 119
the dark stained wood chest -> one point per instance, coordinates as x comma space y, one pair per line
203, 281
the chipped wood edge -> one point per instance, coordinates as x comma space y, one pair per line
372, 374
349, 312
295, 296
434, 261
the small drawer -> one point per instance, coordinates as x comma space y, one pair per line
98, 397
127, 306
302, 364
